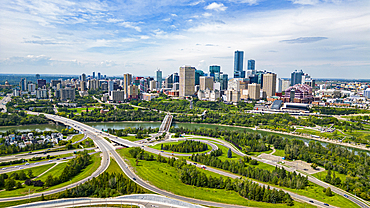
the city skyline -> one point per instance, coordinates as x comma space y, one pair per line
327, 39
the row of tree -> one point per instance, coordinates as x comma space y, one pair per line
21, 118
186, 146
244, 167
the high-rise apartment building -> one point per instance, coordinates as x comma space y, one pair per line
127, 80
285, 84
67, 94
206, 83
238, 65
187, 81
93, 84
117, 96
99, 75
152, 85
132, 92
55, 82
93, 75
41, 83
296, 77
269, 84
213, 70
110, 86
23, 84
83, 77
224, 79
31, 87
158, 78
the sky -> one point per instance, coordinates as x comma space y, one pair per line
324, 38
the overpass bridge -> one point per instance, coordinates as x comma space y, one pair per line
166, 123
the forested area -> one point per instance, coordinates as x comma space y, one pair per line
21, 118
186, 146
117, 115
244, 167
191, 175
12, 149
74, 166
129, 130
338, 111
18, 103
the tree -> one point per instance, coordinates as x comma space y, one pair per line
229, 153
28, 182
42, 197
19, 185
328, 192
314, 166
30, 173
9, 184
22, 175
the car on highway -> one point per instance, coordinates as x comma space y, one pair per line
326, 204
16, 166
311, 201
58, 158
50, 161
36, 163
3, 169
345, 195
195, 164
64, 158
27, 163
134, 179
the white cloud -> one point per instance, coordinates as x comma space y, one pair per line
250, 2
207, 14
174, 15
167, 19
130, 25
305, 2
217, 7
196, 3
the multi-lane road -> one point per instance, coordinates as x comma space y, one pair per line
4, 101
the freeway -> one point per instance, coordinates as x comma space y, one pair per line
36, 164
4, 101
40, 154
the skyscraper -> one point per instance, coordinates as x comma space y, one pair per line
198, 73
214, 69
238, 65
296, 77
205, 83
252, 66
254, 91
187, 81
158, 78
127, 80
269, 84
23, 84
93, 75
99, 75
83, 77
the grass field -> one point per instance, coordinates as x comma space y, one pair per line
166, 177
77, 137
319, 133
79, 110
280, 153
55, 172
158, 147
130, 138
85, 173
114, 167
258, 153
322, 175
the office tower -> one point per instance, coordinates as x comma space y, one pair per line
41, 83
83, 77
99, 75
206, 83
214, 69
110, 85
158, 78
279, 85
55, 82
43, 93
238, 65
93, 75
67, 94
168, 81
198, 73
176, 78
37, 76
127, 80
23, 84
296, 77
224, 81
254, 91
252, 66
187, 81
269, 84
83, 85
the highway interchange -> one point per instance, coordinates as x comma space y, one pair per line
107, 149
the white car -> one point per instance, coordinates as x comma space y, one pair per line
27, 163
16, 166
21, 168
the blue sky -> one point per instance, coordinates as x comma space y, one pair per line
325, 38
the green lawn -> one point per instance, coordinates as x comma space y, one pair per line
166, 177
89, 141
258, 153
280, 153
130, 138
158, 147
113, 167
322, 175
55, 172
79, 110
85, 173
77, 137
